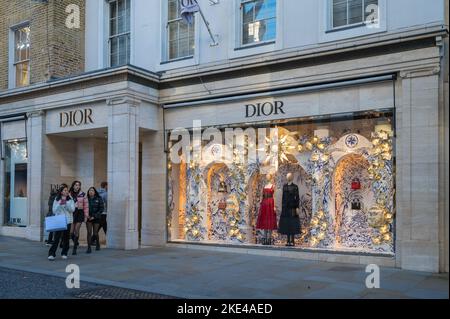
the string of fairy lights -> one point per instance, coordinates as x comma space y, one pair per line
380, 215
319, 159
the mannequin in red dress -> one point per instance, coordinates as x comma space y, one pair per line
267, 218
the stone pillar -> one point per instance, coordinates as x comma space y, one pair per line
417, 244
123, 161
36, 199
154, 201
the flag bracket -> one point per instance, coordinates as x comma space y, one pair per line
214, 43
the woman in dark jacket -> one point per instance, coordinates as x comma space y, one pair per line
96, 207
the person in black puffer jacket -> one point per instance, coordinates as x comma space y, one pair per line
96, 207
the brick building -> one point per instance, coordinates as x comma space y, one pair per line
55, 50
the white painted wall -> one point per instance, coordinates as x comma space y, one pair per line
301, 23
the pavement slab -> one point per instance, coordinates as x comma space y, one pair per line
187, 273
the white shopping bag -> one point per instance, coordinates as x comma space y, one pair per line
55, 223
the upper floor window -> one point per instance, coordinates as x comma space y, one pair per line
22, 56
181, 35
259, 21
119, 32
353, 12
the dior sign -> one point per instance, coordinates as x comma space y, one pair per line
76, 118
264, 109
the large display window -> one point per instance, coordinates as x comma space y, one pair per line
320, 183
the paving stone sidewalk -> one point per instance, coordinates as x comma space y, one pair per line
189, 273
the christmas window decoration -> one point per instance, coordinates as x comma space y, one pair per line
344, 168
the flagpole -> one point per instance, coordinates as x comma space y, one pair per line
214, 43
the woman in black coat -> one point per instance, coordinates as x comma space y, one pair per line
96, 207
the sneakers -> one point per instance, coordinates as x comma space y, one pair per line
64, 257
51, 258
89, 250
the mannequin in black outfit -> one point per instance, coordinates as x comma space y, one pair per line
290, 221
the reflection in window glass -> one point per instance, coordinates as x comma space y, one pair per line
350, 12
181, 37
15, 184
119, 32
343, 167
22, 56
258, 21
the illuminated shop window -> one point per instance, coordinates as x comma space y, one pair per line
259, 21
232, 190
119, 32
180, 35
22, 56
353, 12
15, 183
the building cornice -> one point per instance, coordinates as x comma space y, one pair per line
436, 31
275, 61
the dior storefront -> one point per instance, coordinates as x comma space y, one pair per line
211, 173
221, 168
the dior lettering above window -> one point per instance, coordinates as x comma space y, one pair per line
180, 34
353, 12
22, 56
259, 21
119, 32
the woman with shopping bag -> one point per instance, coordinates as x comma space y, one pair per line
63, 208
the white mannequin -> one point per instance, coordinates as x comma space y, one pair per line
290, 178
269, 178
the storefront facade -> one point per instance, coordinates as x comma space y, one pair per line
362, 138
344, 170
93, 134
362, 145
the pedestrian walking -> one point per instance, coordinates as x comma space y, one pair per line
80, 214
103, 192
62, 205
51, 199
96, 207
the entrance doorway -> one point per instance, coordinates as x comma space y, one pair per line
82, 156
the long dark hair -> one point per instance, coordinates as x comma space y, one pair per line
95, 191
59, 196
71, 191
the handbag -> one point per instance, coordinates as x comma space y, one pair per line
55, 223
356, 184
356, 204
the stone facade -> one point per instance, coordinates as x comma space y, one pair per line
56, 51
127, 104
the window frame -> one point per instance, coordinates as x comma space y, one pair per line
241, 44
7, 217
118, 35
331, 27
12, 78
191, 32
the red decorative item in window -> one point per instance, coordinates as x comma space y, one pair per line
356, 184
